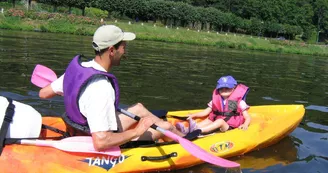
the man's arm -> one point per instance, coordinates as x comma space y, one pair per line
55, 88
47, 92
104, 140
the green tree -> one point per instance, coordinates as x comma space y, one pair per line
273, 28
321, 14
81, 4
136, 8
54, 3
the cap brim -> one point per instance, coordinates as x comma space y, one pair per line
128, 36
225, 86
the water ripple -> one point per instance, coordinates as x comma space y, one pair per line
317, 108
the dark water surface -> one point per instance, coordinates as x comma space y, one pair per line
177, 77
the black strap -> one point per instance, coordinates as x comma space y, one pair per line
75, 126
63, 133
227, 115
6, 122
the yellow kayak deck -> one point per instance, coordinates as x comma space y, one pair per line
269, 124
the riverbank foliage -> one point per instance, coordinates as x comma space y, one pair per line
41, 20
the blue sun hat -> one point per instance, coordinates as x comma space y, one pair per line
226, 82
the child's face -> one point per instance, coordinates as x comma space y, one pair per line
225, 92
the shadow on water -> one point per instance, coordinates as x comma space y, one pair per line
179, 77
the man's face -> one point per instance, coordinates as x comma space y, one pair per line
118, 54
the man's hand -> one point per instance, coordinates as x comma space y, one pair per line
143, 125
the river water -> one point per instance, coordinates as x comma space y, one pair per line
178, 77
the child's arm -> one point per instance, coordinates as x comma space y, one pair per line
203, 113
247, 120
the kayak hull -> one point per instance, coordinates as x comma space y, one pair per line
268, 126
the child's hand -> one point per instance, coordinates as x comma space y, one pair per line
243, 127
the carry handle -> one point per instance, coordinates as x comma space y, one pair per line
151, 158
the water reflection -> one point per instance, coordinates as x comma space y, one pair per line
268, 157
176, 77
265, 159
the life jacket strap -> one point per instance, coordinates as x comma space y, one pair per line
6, 122
227, 115
74, 128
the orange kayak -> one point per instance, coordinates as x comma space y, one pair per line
268, 126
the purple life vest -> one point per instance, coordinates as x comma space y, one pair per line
75, 79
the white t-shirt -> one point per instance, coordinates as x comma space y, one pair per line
242, 105
26, 121
96, 101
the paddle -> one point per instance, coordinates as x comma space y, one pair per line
42, 76
189, 146
78, 144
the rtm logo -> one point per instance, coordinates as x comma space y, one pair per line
221, 147
105, 162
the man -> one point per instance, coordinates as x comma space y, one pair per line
91, 94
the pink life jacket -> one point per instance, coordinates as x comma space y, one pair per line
230, 112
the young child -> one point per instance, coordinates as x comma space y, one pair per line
226, 111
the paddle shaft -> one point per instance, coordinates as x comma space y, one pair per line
79, 144
46, 143
154, 126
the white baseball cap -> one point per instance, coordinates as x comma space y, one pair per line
109, 35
